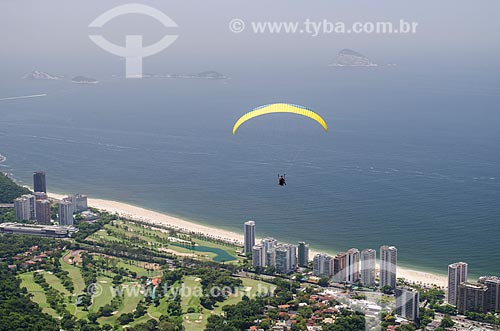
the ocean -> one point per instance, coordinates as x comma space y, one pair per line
411, 158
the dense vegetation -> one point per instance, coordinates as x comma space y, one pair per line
223, 283
484, 317
237, 317
11, 245
7, 215
17, 311
347, 321
10, 190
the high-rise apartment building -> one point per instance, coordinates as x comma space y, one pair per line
249, 234
457, 274
303, 254
43, 211
80, 203
269, 244
322, 265
340, 267
471, 297
407, 303
368, 265
65, 211
282, 259
39, 183
388, 264
258, 256
352, 271
25, 207
492, 299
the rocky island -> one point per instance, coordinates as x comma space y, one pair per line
350, 58
210, 75
40, 75
84, 80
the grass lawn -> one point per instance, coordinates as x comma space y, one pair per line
137, 228
197, 321
251, 288
193, 321
36, 290
131, 265
157, 237
106, 295
136, 231
130, 300
79, 285
139, 270
55, 283
192, 286
162, 307
75, 275
255, 287
141, 320
104, 237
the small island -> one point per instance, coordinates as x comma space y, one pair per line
350, 58
40, 75
84, 80
209, 75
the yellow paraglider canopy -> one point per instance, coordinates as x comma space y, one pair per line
280, 108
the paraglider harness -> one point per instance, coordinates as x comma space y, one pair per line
282, 179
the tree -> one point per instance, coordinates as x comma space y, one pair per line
125, 318
92, 317
10, 190
323, 281
106, 310
117, 279
17, 311
140, 310
353, 322
447, 322
387, 289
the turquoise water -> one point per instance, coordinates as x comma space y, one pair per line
222, 255
411, 159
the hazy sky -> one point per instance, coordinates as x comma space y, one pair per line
53, 35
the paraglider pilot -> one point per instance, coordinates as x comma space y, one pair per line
281, 180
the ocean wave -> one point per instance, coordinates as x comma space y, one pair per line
430, 175
81, 142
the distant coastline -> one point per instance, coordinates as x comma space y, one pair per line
160, 218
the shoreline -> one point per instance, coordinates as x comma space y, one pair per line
157, 218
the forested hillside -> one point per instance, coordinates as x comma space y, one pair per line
10, 190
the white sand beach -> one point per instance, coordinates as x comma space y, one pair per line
153, 217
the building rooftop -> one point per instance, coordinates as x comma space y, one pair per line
49, 230
493, 279
475, 286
